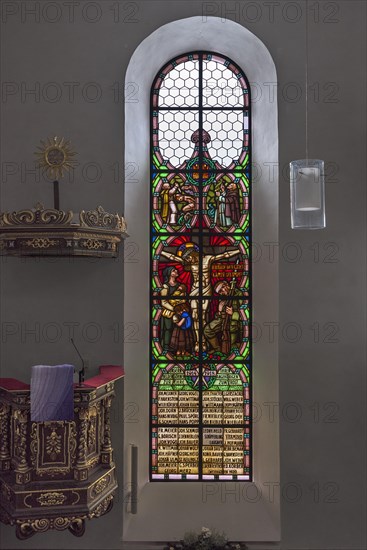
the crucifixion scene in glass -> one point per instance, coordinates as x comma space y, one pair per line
200, 271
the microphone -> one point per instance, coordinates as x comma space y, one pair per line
82, 370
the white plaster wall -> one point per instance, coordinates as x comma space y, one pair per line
251, 513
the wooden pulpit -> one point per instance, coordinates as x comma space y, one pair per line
57, 474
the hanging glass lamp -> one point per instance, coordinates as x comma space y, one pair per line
307, 179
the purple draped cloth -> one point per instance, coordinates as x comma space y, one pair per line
52, 393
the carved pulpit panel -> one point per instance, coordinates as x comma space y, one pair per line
57, 474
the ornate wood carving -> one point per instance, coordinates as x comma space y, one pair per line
19, 459
107, 454
51, 499
52, 448
5, 437
47, 231
56, 475
38, 216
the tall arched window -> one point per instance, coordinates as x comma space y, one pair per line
198, 503
200, 270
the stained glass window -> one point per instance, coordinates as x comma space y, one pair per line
200, 270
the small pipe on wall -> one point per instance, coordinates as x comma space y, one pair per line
134, 479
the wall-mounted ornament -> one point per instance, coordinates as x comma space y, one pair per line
55, 156
50, 232
53, 232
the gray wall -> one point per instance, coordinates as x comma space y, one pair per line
322, 274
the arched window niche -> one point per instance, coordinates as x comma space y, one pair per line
245, 510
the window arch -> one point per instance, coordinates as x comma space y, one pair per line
204, 503
201, 292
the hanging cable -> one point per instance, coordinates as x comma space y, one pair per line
306, 81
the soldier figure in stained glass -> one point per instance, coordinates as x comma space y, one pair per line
227, 318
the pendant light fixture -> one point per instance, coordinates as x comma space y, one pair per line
307, 179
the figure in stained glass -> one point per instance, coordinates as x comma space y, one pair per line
232, 205
224, 331
190, 258
223, 202
176, 201
169, 207
221, 217
182, 340
187, 198
171, 292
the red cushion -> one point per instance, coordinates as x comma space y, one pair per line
12, 384
107, 373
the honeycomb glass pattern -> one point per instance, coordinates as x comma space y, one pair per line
180, 86
174, 135
200, 271
226, 130
222, 86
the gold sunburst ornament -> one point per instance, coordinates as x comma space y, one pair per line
55, 157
